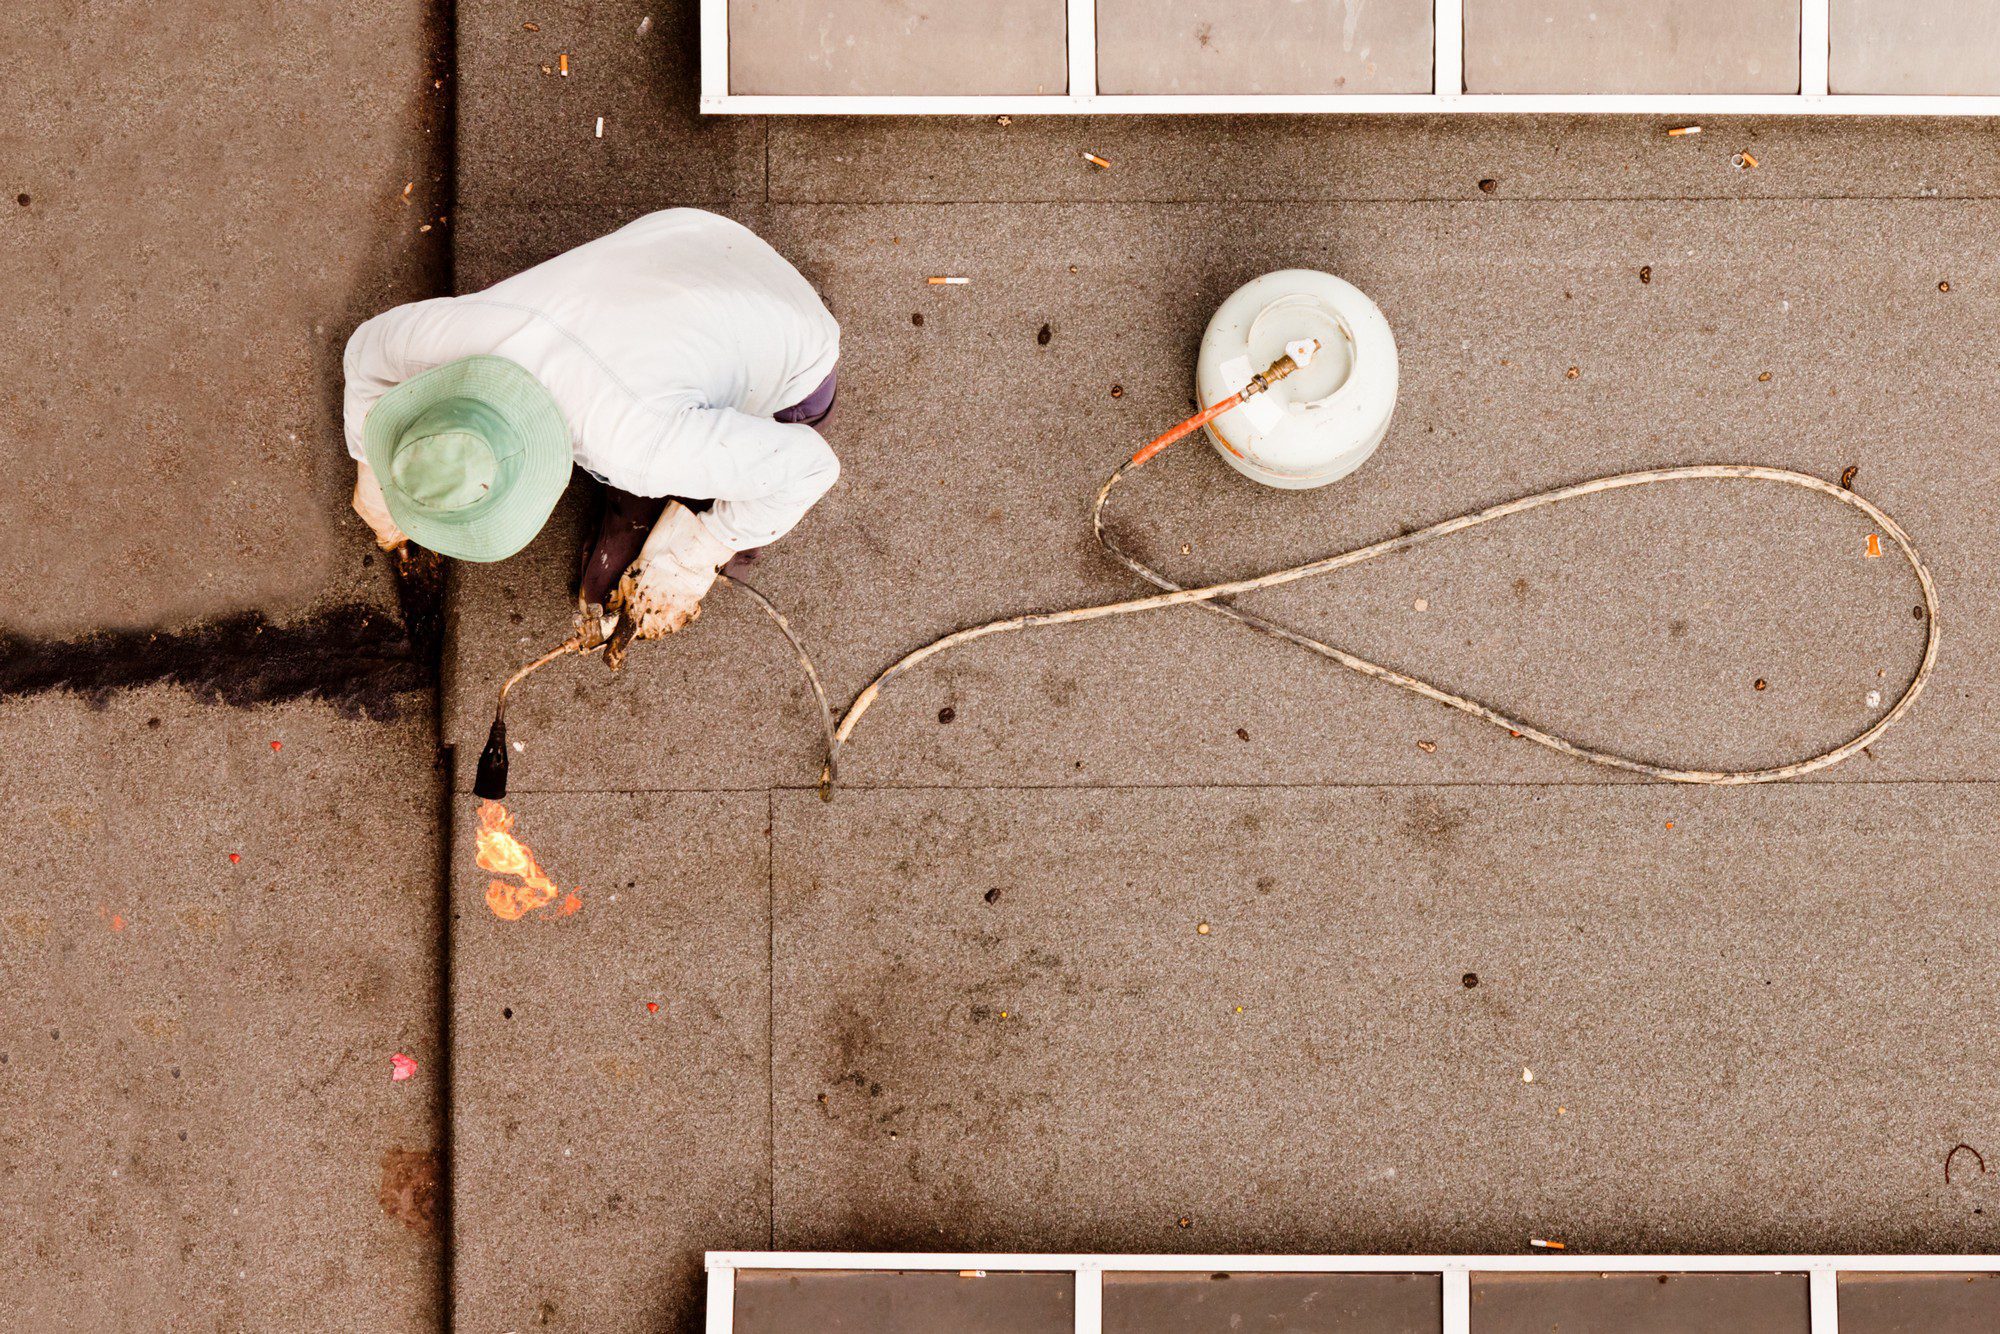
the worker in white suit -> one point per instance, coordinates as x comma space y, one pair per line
681, 361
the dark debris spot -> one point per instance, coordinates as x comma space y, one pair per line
411, 1189
917, 318
947, 713
506, 1012
1118, 391
1043, 335
1470, 980
993, 894
1242, 734
22, 199
1760, 683
1645, 273
1489, 185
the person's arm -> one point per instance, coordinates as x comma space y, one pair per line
373, 508
763, 475
385, 351
404, 341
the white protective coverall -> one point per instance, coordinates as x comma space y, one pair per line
668, 345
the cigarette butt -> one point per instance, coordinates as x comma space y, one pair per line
1095, 161
1547, 1245
947, 282
562, 63
1874, 545
972, 1273
531, 27
1681, 131
600, 127
407, 187
1744, 162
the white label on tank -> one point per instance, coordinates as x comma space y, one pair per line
1263, 412
1260, 410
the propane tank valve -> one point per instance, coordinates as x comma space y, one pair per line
1297, 356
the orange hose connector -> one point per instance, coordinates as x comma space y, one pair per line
1269, 376
1196, 422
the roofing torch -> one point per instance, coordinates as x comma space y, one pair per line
490, 782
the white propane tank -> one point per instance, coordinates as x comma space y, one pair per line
1321, 422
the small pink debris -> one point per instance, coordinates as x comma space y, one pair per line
401, 1067
277, 745
652, 1007
235, 857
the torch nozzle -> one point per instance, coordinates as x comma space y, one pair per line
491, 780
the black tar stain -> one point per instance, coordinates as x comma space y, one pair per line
356, 658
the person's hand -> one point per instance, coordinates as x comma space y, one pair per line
593, 623
374, 511
662, 590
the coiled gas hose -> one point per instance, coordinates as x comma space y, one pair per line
1209, 597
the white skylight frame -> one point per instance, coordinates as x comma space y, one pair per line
1447, 93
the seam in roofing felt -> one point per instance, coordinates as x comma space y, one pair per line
424, 608
846, 787
771, 1013
1360, 201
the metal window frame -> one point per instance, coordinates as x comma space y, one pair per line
1822, 1272
1447, 92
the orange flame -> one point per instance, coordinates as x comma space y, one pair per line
503, 854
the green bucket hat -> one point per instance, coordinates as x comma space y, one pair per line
472, 457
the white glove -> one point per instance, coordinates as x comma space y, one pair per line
662, 590
374, 509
